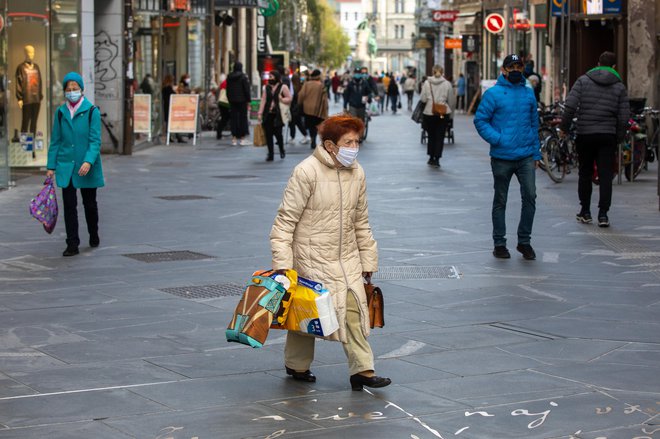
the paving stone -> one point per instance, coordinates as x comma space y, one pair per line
55, 409
70, 430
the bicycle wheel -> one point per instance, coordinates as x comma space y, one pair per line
552, 159
632, 170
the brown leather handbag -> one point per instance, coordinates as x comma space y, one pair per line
438, 109
376, 305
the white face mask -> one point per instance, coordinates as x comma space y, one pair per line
346, 156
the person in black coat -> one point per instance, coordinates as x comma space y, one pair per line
393, 93
238, 95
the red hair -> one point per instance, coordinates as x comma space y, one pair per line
334, 127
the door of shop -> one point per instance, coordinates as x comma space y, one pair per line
592, 39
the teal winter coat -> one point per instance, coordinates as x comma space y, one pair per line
74, 142
508, 120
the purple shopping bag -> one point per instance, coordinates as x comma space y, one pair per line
44, 206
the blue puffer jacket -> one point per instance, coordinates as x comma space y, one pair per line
508, 120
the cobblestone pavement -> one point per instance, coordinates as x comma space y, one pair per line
125, 341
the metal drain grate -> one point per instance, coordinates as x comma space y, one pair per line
183, 197
406, 272
168, 256
235, 177
206, 291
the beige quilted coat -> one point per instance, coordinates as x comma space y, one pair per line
322, 231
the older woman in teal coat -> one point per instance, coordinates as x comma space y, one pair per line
74, 156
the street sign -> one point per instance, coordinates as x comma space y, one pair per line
453, 43
470, 43
494, 23
441, 15
2, 23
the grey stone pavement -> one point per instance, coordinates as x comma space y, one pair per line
101, 346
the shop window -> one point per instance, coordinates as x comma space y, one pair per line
42, 46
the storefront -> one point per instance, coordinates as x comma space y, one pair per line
39, 44
171, 42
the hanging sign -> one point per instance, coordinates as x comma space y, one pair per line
494, 23
470, 43
2, 23
440, 16
453, 43
183, 115
261, 33
611, 6
557, 6
142, 114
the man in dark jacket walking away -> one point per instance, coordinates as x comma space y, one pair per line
238, 95
600, 101
507, 119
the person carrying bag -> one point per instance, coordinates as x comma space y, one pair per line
274, 112
436, 93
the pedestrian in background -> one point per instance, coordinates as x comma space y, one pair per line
74, 156
166, 94
270, 115
238, 94
409, 86
380, 88
393, 93
297, 116
314, 102
436, 90
336, 83
600, 101
342, 252
460, 93
184, 85
508, 120
358, 94
223, 107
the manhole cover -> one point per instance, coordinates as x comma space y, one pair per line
206, 291
182, 197
235, 177
405, 272
168, 256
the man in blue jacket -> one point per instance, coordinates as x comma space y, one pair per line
507, 119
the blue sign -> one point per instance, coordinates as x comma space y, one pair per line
611, 6
558, 5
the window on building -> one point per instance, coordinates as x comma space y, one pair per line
403, 33
374, 6
396, 31
356, 16
398, 6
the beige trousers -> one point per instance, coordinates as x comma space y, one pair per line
299, 348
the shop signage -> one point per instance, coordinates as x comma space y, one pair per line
242, 4
453, 43
611, 6
470, 43
179, 5
183, 115
441, 15
557, 6
494, 23
423, 43
261, 34
601, 6
142, 114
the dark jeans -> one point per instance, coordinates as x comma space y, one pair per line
70, 201
30, 116
222, 123
525, 171
599, 148
312, 122
239, 120
410, 95
436, 127
273, 127
393, 100
297, 120
460, 102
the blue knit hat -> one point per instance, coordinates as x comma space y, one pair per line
73, 76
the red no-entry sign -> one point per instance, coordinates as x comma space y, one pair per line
494, 23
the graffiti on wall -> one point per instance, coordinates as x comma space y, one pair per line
106, 66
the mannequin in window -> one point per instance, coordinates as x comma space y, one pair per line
28, 91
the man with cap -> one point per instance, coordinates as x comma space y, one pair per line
507, 119
600, 101
74, 156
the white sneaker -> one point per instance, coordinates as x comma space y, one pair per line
304, 140
245, 142
234, 141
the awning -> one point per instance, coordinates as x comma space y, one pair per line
465, 19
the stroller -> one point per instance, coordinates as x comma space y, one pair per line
449, 133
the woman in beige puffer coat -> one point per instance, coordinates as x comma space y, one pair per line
322, 231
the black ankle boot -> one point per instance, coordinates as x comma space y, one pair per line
357, 381
71, 250
301, 376
94, 240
